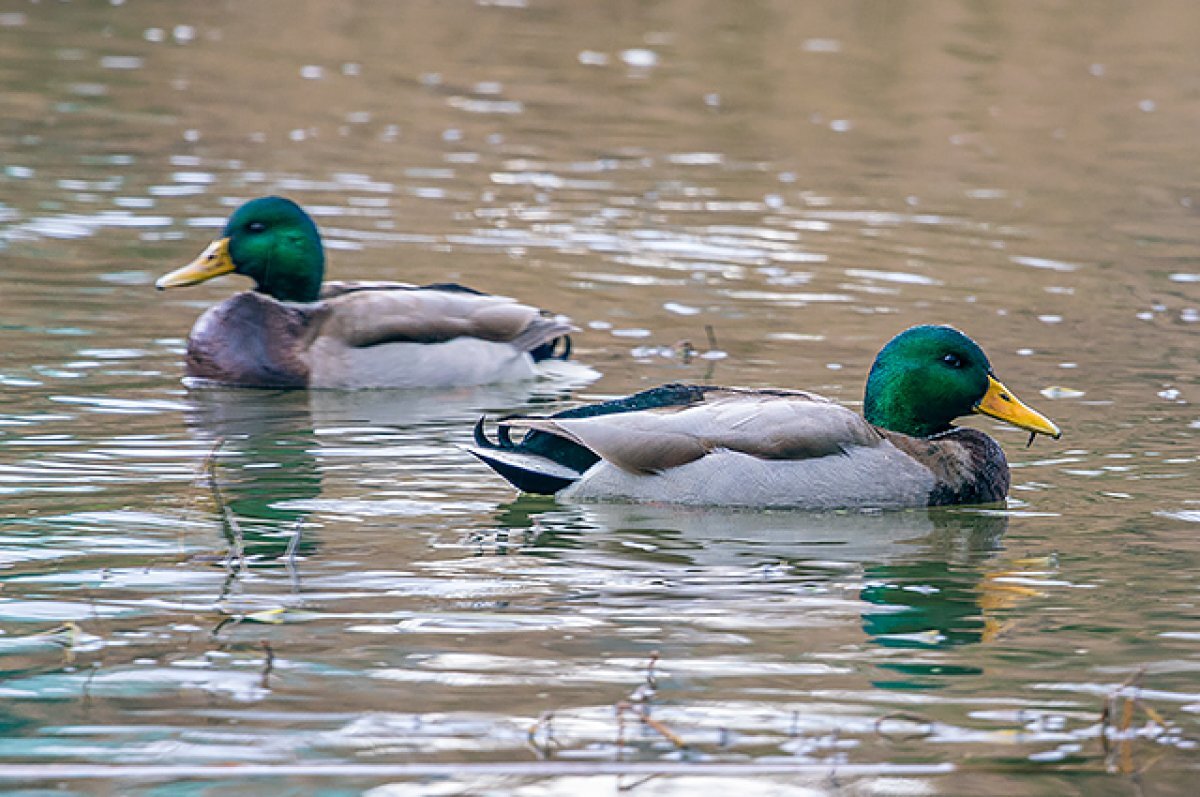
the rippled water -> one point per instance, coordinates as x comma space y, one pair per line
777, 189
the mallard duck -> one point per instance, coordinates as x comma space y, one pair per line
705, 445
294, 331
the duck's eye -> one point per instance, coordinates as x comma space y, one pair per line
953, 360
256, 226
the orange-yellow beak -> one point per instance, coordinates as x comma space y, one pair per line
1000, 403
212, 262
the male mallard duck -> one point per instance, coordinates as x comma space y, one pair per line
292, 331
694, 444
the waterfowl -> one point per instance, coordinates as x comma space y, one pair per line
706, 445
296, 331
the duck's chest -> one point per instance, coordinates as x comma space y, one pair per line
250, 340
968, 466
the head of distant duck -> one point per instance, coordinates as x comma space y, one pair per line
927, 376
272, 241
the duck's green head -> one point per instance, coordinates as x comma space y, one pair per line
272, 241
927, 376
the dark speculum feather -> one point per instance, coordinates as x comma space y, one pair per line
672, 395
450, 287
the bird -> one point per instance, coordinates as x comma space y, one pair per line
295, 331
706, 445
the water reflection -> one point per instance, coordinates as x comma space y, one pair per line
715, 537
262, 456
806, 179
270, 447
927, 576
934, 600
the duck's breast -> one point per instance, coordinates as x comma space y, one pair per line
250, 340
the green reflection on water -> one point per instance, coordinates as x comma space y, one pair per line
264, 445
934, 603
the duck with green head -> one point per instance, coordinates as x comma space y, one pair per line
703, 445
294, 331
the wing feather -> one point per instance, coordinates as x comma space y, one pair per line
774, 426
366, 317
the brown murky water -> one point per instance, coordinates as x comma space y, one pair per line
806, 180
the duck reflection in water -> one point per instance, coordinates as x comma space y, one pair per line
269, 461
941, 597
929, 576
263, 445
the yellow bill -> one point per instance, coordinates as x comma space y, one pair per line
1000, 403
212, 262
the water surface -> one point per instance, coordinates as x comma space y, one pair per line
802, 181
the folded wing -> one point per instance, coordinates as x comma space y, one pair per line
366, 315
767, 425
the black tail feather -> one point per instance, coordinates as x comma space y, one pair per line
481, 438
527, 472
543, 462
549, 350
503, 436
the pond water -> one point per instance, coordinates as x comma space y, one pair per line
781, 186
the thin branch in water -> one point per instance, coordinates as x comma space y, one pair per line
651, 676
663, 730
1111, 703
234, 535
289, 561
268, 664
638, 703
294, 542
623, 787
86, 691
230, 620
544, 750
621, 707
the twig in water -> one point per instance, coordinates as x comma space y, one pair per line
294, 542
66, 635
712, 337
651, 677
86, 691
663, 730
1116, 721
1110, 708
545, 749
622, 707
233, 619
638, 703
289, 561
237, 540
622, 786
268, 664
